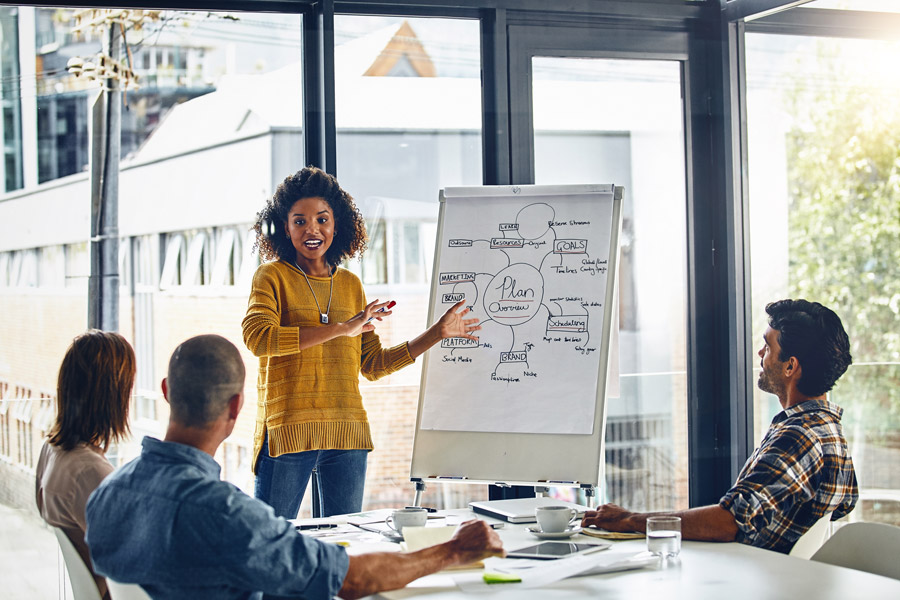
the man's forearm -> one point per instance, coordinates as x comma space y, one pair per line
706, 523
381, 571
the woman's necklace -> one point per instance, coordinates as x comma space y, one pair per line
323, 316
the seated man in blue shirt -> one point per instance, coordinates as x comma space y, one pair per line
802, 470
167, 522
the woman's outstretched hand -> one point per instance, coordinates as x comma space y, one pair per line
452, 323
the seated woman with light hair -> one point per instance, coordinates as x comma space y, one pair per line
92, 398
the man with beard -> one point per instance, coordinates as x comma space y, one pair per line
802, 469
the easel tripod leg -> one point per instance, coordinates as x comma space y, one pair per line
420, 487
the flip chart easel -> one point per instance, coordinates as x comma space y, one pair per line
525, 404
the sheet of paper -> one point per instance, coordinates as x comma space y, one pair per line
436, 583
540, 573
369, 516
535, 575
533, 271
416, 538
638, 561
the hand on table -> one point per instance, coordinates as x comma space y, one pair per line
475, 540
378, 571
611, 518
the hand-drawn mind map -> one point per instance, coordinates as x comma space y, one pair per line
533, 270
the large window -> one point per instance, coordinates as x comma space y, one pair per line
608, 94
408, 111
621, 122
824, 153
204, 138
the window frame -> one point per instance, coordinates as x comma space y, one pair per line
710, 35
716, 424
787, 17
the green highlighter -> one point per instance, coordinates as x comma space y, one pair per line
492, 578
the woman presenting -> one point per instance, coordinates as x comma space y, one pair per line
308, 321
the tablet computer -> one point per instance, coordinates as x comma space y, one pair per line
551, 550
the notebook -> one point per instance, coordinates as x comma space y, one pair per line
521, 510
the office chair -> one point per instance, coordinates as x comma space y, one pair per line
83, 585
813, 539
126, 591
870, 547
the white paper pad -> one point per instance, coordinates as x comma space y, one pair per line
638, 561
541, 573
416, 538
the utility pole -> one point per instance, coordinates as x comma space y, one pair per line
106, 135
106, 138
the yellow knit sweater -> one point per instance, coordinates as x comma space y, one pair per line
309, 399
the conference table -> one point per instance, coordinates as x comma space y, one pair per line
704, 570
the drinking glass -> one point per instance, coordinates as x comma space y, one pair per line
664, 537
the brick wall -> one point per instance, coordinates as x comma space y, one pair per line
37, 327
17, 487
35, 331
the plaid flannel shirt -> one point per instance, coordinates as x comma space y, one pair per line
801, 471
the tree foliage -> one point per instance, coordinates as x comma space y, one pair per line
844, 213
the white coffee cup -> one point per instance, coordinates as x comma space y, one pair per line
406, 517
555, 519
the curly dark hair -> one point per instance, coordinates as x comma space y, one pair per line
814, 335
349, 227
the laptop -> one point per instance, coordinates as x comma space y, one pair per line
521, 510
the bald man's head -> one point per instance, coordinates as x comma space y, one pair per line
205, 372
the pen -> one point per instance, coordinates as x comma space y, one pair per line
316, 526
381, 310
371, 528
425, 508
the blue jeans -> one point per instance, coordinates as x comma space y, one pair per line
281, 481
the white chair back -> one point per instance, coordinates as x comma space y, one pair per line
813, 539
83, 585
126, 591
870, 547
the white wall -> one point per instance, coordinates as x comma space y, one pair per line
223, 185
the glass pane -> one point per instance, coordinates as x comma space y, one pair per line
408, 108
10, 103
217, 112
866, 5
175, 56
621, 122
824, 149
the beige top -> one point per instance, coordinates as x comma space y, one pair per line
63, 483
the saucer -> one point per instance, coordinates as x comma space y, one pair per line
392, 536
557, 535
